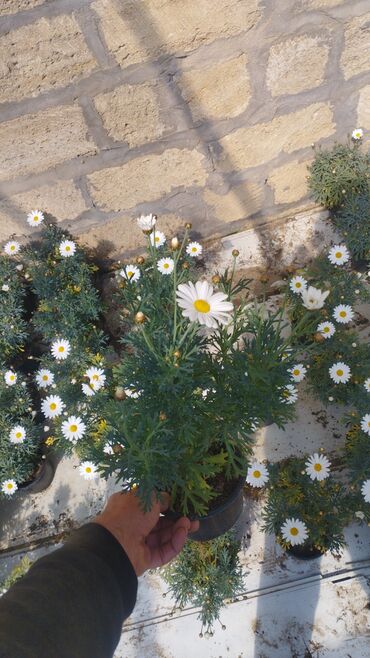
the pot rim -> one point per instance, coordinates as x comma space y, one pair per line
233, 496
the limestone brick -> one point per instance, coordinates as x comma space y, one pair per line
41, 56
146, 178
62, 200
363, 109
218, 91
12, 6
145, 29
37, 142
240, 202
130, 113
296, 64
254, 145
121, 235
289, 182
355, 57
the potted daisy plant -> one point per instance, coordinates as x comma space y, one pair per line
197, 374
306, 508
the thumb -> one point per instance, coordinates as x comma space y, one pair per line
179, 536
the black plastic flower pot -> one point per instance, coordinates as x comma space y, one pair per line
220, 519
42, 477
305, 552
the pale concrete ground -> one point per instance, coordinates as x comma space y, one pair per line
290, 608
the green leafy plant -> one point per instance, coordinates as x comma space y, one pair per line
338, 173
13, 326
193, 396
353, 221
204, 575
320, 505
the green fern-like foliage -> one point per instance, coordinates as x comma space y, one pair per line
193, 397
353, 221
17, 461
338, 173
69, 304
13, 326
204, 575
322, 506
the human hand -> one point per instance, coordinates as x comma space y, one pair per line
149, 540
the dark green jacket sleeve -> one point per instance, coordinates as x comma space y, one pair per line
72, 602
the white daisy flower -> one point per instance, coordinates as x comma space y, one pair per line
298, 372
313, 298
340, 373
298, 284
67, 248
88, 390
35, 218
17, 434
365, 490
146, 223
10, 378
73, 428
165, 265
367, 384
339, 254
365, 423
96, 376
357, 134
132, 393
194, 249
257, 475
11, 248
5, 287
44, 378
108, 450
130, 273
157, 238
60, 349
52, 406
294, 531
326, 329
88, 470
318, 467
9, 487
290, 394
201, 304
343, 313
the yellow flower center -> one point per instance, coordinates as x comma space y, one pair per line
73, 428
88, 469
130, 274
157, 238
12, 378
18, 435
36, 218
298, 284
257, 474
12, 247
296, 371
53, 406
68, 248
326, 329
95, 377
45, 378
202, 306
294, 531
166, 266
193, 248
9, 485
368, 424
338, 254
340, 373
317, 467
343, 314
61, 349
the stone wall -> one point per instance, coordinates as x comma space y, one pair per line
199, 111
